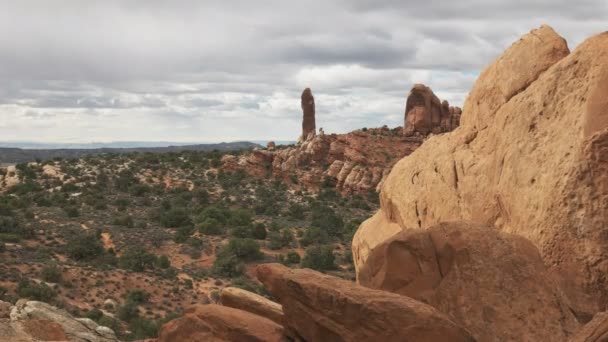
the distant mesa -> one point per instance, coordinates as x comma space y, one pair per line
425, 113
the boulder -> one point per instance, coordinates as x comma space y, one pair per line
494, 284
247, 301
213, 322
308, 118
530, 158
594, 331
319, 307
75, 329
5, 309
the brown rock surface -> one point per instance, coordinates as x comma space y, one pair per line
494, 284
247, 301
220, 323
308, 121
425, 114
355, 162
530, 158
594, 331
319, 307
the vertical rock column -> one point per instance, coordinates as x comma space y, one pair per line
308, 120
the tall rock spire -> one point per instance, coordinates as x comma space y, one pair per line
308, 120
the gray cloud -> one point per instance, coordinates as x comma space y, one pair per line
200, 71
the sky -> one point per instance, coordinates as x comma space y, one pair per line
209, 71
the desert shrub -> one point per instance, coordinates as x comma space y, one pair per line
175, 217
124, 221
259, 231
2, 246
128, 312
52, 273
227, 264
314, 236
71, 211
137, 259
320, 258
84, 246
274, 241
325, 218
211, 226
296, 211
244, 249
138, 296
293, 258
94, 314
182, 234
35, 291
163, 262
142, 328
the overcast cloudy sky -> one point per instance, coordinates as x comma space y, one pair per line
201, 70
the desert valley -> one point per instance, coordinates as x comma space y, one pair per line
482, 223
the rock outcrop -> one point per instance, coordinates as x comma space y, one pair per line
425, 113
594, 331
352, 163
530, 158
213, 322
38, 321
319, 307
247, 301
494, 284
309, 127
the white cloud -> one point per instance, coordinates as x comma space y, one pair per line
189, 70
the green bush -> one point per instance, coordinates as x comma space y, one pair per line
227, 265
71, 211
175, 217
259, 231
211, 226
124, 221
244, 249
137, 259
52, 273
320, 258
128, 312
35, 291
314, 236
293, 258
163, 262
84, 247
327, 220
138, 296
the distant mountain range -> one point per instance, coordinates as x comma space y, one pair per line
13, 155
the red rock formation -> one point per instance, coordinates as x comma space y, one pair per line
511, 165
594, 331
219, 323
494, 284
354, 162
308, 120
251, 302
319, 307
270, 146
425, 114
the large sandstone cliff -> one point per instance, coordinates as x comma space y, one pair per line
530, 158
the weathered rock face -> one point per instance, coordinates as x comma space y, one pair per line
308, 122
34, 321
353, 162
594, 331
247, 301
220, 323
494, 284
530, 158
319, 307
271, 146
425, 114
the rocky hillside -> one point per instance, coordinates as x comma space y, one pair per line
356, 162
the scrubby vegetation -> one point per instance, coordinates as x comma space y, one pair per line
144, 235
